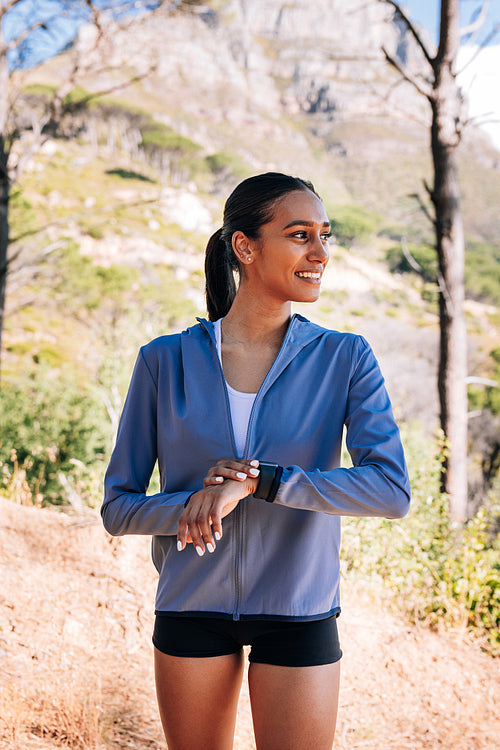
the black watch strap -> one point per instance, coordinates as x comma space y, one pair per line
269, 481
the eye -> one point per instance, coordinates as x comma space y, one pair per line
326, 236
300, 235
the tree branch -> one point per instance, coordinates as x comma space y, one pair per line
5, 8
478, 23
22, 37
495, 30
427, 92
411, 28
423, 207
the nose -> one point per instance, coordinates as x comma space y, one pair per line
319, 250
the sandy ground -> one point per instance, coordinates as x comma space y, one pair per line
76, 660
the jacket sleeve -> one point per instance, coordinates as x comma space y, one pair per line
377, 484
126, 508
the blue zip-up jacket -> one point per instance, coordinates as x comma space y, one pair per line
275, 560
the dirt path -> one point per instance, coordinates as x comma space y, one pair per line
75, 654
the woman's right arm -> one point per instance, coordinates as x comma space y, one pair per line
126, 508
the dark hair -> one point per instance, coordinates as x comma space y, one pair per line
249, 206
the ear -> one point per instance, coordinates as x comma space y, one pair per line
242, 247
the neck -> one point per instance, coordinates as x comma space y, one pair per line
250, 321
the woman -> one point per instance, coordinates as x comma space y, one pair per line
245, 414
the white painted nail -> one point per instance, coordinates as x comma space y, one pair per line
219, 479
210, 547
179, 546
240, 475
254, 462
218, 536
254, 472
200, 551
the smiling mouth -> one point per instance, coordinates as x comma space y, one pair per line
315, 275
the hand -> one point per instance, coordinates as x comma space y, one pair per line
231, 468
201, 521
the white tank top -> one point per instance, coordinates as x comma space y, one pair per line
240, 403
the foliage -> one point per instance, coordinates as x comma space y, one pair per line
488, 397
22, 218
438, 573
78, 282
482, 267
424, 256
53, 439
352, 222
157, 135
482, 271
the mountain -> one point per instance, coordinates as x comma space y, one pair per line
245, 86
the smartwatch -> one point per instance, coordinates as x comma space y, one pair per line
269, 481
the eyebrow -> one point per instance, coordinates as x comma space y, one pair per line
304, 223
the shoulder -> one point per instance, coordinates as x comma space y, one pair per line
329, 338
171, 342
165, 352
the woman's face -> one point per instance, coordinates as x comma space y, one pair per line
291, 253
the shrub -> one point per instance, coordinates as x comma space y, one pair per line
482, 271
352, 222
437, 572
54, 436
423, 255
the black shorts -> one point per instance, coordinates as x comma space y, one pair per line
282, 643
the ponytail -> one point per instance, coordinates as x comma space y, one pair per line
220, 286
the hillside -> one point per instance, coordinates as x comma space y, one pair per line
110, 218
76, 612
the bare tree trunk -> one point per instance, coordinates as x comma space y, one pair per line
438, 84
445, 138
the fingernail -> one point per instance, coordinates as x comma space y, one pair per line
254, 472
240, 475
200, 551
218, 536
219, 479
210, 547
179, 546
254, 462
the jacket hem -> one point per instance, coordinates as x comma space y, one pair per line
229, 615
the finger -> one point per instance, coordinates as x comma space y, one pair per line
240, 473
212, 480
216, 523
205, 528
182, 532
238, 464
196, 537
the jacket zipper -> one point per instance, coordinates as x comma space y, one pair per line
239, 510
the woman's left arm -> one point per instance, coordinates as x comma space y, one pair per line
377, 484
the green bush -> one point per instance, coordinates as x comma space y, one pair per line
351, 223
482, 267
424, 255
435, 571
77, 282
487, 397
159, 136
482, 271
54, 434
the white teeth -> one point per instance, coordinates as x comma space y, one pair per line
308, 275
